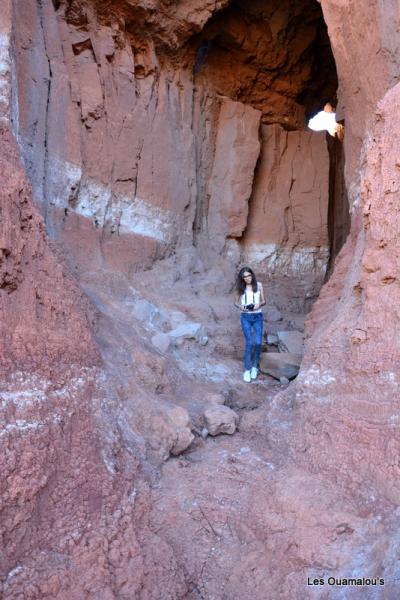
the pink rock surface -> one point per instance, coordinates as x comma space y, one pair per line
125, 144
351, 359
366, 70
69, 481
34, 284
230, 186
287, 229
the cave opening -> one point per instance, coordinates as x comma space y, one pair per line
276, 57
209, 157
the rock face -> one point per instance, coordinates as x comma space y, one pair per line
358, 92
180, 162
236, 153
352, 350
136, 199
51, 415
69, 481
291, 179
163, 152
32, 282
286, 237
69, 458
351, 360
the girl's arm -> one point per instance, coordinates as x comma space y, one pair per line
262, 299
237, 301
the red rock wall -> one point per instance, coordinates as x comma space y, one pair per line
366, 70
67, 483
286, 237
72, 503
131, 148
35, 324
347, 391
348, 388
97, 170
230, 185
112, 140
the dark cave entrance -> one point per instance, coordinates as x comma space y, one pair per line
272, 54
276, 57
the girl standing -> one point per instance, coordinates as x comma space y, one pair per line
249, 298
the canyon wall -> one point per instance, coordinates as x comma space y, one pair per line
349, 367
58, 436
356, 61
151, 143
70, 483
134, 152
287, 234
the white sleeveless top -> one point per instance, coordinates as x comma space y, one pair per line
250, 297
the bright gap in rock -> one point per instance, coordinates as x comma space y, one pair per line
325, 120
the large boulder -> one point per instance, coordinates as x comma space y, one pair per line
188, 331
181, 425
220, 419
280, 364
165, 427
290, 341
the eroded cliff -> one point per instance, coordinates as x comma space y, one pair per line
165, 144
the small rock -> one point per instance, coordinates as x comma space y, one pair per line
161, 341
284, 380
203, 341
272, 339
204, 433
220, 419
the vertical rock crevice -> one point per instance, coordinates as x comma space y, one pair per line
48, 91
338, 209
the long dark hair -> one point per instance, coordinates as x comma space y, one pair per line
240, 283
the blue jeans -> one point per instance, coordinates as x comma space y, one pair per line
252, 323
